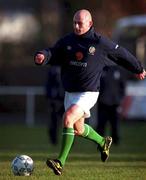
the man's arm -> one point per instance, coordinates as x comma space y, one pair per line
42, 57
130, 62
124, 58
52, 55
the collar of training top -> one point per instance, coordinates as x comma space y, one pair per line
90, 34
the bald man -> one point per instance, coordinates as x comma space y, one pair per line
82, 56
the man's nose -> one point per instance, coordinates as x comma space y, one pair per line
77, 25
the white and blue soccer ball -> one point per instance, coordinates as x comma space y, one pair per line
22, 165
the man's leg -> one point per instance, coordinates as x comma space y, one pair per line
67, 141
91, 134
103, 143
73, 114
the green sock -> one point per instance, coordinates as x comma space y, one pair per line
67, 141
91, 134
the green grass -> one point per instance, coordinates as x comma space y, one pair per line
127, 161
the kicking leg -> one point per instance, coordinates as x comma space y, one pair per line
104, 143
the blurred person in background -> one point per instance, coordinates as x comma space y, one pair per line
112, 91
82, 55
55, 95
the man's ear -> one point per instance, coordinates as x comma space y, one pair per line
91, 23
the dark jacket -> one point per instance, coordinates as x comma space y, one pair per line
82, 59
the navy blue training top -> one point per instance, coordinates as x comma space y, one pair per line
82, 59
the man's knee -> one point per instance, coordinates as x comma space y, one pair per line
72, 115
68, 120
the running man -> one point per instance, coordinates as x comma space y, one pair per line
82, 55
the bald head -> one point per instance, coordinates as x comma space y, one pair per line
83, 14
82, 21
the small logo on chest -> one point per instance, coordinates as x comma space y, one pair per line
92, 50
79, 56
69, 47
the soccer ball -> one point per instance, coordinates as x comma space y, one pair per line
22, 165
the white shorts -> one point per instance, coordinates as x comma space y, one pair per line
86, 100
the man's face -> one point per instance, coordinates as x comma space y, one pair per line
81, 24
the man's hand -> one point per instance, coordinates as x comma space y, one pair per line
39, 58
141, 76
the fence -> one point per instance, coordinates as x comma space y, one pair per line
32, 91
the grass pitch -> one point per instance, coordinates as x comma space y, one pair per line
127, 161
